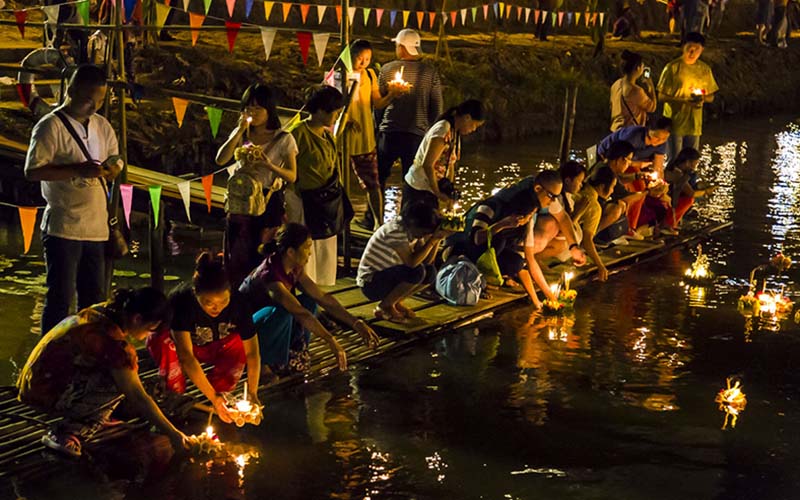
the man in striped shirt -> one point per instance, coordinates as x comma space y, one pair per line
398, 260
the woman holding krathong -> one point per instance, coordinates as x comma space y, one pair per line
681, 174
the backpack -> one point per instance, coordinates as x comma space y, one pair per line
460, 283
245, 194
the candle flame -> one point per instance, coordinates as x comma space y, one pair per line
210, 432
244, 406
732, 401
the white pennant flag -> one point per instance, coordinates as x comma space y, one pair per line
320, 43
321, 12
351, 13
186, 5
527, 14
51, 13
268, 36
231, 170
602, 15
184, 188
463, 17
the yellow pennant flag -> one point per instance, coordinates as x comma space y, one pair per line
268, 9
405, 18
162, 11
286, 8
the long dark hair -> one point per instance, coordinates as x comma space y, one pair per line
148, 302
291, 235
686, 154
471, 107
630, 61
209, 274
261, 95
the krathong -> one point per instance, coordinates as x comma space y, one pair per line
398, 82
552, 307
732, 401
748, 305
249, 154
700, 271
567, 298
245, 412
453, 220
781, 262
207, 443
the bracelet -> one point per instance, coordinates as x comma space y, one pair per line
574, 245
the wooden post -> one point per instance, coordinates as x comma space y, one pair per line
441, 43
344, 166
568, 124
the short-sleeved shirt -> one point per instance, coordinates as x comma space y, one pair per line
587, 210
76, 208
679, 80
415, 111
316, 159
416, 176
637, 137
203, 328
279, 153
254, 287
89, 342
638, 105
381, 250
360, 111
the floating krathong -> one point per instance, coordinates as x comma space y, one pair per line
552, 307
453, 220
567, 298
207, 443
245, 412
732, 401
749, 305
781, 262
700, 271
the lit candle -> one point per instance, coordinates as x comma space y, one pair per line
210, 432
567, 276
248, 120
244, 406
697, 92
554, 288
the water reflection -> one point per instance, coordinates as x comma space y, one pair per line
718, 168
784, 206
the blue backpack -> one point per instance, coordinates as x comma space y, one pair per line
460, 283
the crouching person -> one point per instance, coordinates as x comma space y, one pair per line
398, 260
212, 325
557, 234
284, 321
83, 368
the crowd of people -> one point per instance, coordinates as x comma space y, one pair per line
255, 307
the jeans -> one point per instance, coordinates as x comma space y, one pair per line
72, 266
394, 145
678, 142
386, 280
280, 334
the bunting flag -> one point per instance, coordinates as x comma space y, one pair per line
346, 59
366, 11
405, 18
129, 6
214, 117
27, 219
231, 6
184, 188
594, 18
602, 15
569, 18
560, 18
527, 14
321, 13
304, 8
431, 19
196, 21
267, 37
378, 16
162, 11
180, 109
186, 5
536, 14
338, 14
453, 18
126, 193
485, 12
287, 7
155, 202
420, 19
320, 43
208, 183
24, 93
21, 16
392, 17
51, 13
519, 13
206, 5
232, 30
463, 17
351, 14
577, 18
587, 17
474, 13
268, 9
553, 18
304, 40
83, 10
496, 7
248, 6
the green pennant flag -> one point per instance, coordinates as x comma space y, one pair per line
474, 13
366, 11
293, 123
346, 59
83, 10
155, 202
554, 19
207, 4
214, 117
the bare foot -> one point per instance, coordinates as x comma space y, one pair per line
392, 315
408, 313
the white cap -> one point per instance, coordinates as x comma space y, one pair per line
409, 39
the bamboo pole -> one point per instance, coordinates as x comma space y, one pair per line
344, 165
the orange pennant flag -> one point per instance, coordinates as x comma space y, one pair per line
339, 14
195, 21
453, 19
180, 109
304, 7
420, 18
27, 218
286, 8
431, 18
208, 182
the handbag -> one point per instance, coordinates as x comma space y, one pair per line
117, 245
460, 282
327, 209
487, 263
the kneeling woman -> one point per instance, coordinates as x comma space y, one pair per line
285, 321
398, 260
83, 368
212, 325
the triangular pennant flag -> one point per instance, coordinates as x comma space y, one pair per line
577, 18
162, 11
569, 18
126, 193
587, 18
444, 17
366, 11
195, 21
155, 202
378, 16
496, 8
431, 19
485, 12
329, 79
405, 18
186, 5
267, 37
527, 14
545, 17
351, 14
304, 40
231, 6
268, 9
338, 14
321, 12
231, 170
51, 13
463, 17
320, 43
292, 123
248, 6
602, 15
453, 18
180, 109
21, 16
287, 7
27, 219
214, 117
519, 13
304, 8
474, 13
184, 188
347, 59
206, 6
594, 18
560, 18
536, 14
554, 19
24, 93
232, 29
83, 10
392, 17
208, 183
420, 19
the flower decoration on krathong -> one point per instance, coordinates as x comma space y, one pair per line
207, 443
552, 307
780, 262
567, 297
748, 305
453, 220
700, 271
732, 401
244, 411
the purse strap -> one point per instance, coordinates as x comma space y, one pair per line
625, 103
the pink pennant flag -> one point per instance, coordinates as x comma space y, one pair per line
378, 15
536, 14
27, 219
126, 193
231, 6
486, 11
519, 13
560, 18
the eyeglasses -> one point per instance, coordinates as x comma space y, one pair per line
548, 193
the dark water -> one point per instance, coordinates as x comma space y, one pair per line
613, 401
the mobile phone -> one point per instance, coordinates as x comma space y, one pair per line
647, 72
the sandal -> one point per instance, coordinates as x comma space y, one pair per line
405, 311
67, 444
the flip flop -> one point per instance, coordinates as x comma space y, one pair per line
68, 444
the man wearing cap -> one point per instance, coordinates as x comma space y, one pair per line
411, 110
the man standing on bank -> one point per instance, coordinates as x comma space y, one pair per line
74, 184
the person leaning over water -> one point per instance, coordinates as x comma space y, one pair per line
285, 321
83, 368
588, 212
246, 224
509, 216
681, 174
75, 222
213, 325
556, 233
398, 260
431, 178
631, 102
618, 158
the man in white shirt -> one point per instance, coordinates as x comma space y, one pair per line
75, 222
